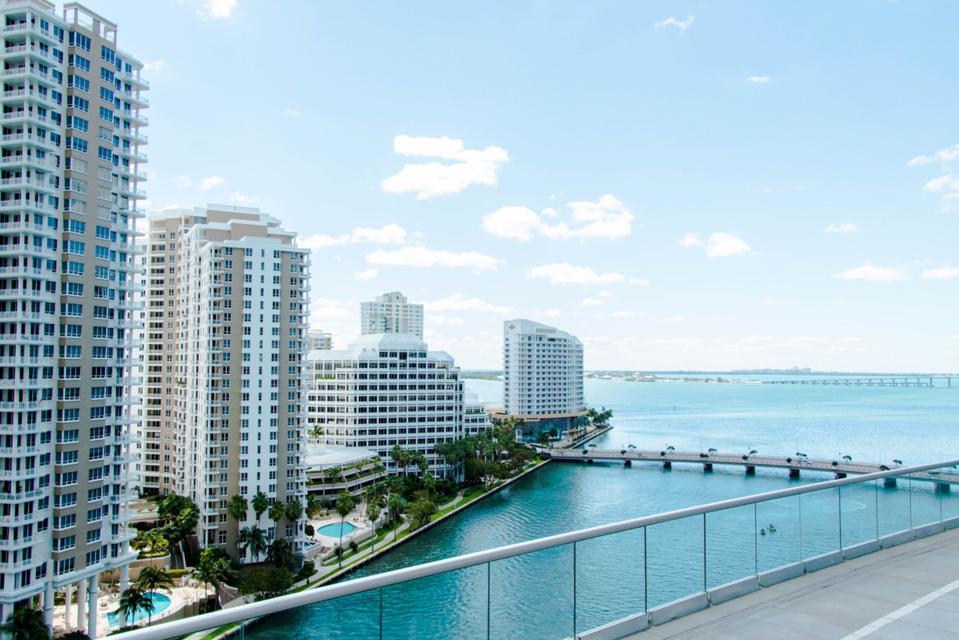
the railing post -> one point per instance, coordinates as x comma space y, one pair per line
755, 539
489, 598
645, 575
800, 527
840, 517
574, 589
381, 613
705, 583
876, 484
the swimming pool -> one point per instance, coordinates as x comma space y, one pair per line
160, 603
333, 530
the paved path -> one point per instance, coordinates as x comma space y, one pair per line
909, 591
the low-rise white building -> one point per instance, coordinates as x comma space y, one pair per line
333, 468
385, 390
475, 417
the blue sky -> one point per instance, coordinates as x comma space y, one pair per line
682, 185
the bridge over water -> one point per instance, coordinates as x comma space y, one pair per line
666, 458
930, 381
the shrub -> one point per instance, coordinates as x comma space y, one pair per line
264, 581
307, 570
308, 530
353, 546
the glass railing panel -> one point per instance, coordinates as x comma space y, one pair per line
532, 596
924, 489
820, 522
860, 504
893, 505
776, 527
610, 578
447, 605
949, 496
356, 616
731, 538
674, 552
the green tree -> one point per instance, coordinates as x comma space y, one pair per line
316, 432
313, 505
151, 543
277, 511
260, 504
152, 580
401, 457
253, 540
237, 507
26, 623
373, 512
294, 510
264, 581
133, 601
179, 516
213, 569
396, 505
344, 504
281, 553
421, 511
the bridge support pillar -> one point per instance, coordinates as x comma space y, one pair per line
750, 470
708, 467
889, 483
943, 487
794, 473
840, 475
628, 463
667, 464
589, 461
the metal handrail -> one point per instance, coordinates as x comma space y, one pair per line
330, 592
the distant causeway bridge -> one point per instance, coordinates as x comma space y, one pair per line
666, 458
934, 381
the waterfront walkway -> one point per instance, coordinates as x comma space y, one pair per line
908, 591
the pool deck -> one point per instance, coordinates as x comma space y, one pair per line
908, 591
179, 598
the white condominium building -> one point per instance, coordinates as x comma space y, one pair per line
542, 376
319, 340
391, 313
384, 390
228, 303
69, 157
475, 418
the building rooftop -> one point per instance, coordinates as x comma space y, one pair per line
373, 343
321, 456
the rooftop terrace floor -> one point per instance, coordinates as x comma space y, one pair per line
908, 591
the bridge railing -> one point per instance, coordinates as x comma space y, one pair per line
614, 579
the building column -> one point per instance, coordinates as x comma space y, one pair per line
81, 605
93, 605
67, 604
48, 606
124, 577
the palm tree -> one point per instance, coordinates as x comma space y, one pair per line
396, 505
212, 570
132, 601
253, 539
294, 510
151, 580
373, 512
237, 507
313, 505
26, 623
316, 432
280, 553
401, 457
344, 504
260, 504
277, 511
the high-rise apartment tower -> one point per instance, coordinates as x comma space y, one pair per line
227, 310
391, 313
69, 181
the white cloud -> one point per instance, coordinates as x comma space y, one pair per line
674, 319
463, 302
154, 66
591, 302
723, 245
691, 239
387, 234
291, 113
759, 79
217, 9
947, 182
548, 313
942, 156
437, 318
330, 309
423, 257
211, 182
680, 25
183, 181
626, 314
366, 274
465, 167
607, 217
873, 273
843, 228
565, 273
242, 199
941, 273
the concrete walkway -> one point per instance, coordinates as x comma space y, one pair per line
909, 591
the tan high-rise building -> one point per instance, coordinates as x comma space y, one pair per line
224, 394
69, 158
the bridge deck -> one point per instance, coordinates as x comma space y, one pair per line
738, 459
909, 591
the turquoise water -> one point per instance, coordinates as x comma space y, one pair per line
160, 602
531, 596
336, 529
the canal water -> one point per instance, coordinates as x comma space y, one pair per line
533, 596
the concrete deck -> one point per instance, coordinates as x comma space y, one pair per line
908, 591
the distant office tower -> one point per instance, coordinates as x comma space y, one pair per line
319, 340
228, 304
391, 313
69, 179
385, 390
542, 376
